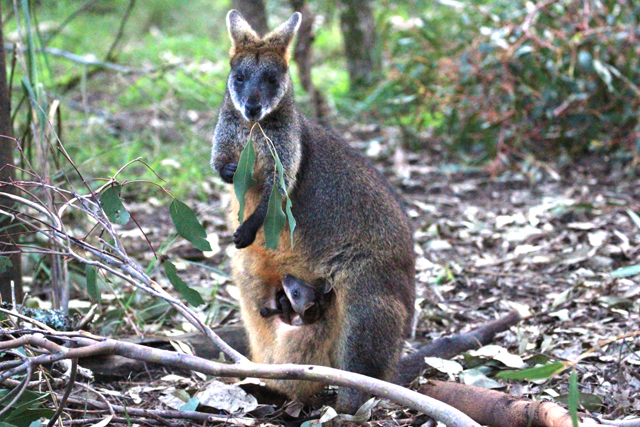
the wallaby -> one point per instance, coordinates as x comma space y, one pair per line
306, 300
351, 233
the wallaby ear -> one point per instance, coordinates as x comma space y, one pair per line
280, 39
240, 32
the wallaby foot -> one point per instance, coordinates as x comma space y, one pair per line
349, 400
227, 172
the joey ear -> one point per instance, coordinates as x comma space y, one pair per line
280, 39
327, 288
240, 32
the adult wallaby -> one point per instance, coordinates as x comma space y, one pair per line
351, 230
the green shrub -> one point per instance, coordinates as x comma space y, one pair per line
512, 78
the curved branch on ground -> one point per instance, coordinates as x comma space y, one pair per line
85, 346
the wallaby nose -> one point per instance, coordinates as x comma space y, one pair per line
252, 111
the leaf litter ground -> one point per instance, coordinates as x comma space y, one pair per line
545, 242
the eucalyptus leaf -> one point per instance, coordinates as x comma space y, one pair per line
26, 418
283, 189
112, 205
634, 217
5, 263
191, 405
290, 218
535, 373
92, 283
188, 226
630, 270
573, 398
443, 365
190, 295
478, 378
243, 178
588, 401
275, 219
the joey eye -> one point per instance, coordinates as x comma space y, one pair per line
295, 293
239, 78
272, 80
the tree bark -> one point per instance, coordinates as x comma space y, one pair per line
303, 57
358, 27
7, 174
254, 12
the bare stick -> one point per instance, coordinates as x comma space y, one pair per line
67, 393
91, 346
110, 54
190, 415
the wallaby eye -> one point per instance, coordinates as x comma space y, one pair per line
272, 79
295, 293
239, 78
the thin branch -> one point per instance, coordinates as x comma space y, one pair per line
18, 391
68, 19
124, 267
189, 415
110, 54
67, 393
26, 319
85, 60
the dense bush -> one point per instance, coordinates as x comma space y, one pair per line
560, 76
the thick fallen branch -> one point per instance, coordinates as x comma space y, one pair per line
84, 345
412, 364
496, 409
621, 423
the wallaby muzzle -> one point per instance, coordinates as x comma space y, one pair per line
252, 111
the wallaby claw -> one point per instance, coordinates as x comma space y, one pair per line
227, 172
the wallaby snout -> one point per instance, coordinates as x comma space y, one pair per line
253, 111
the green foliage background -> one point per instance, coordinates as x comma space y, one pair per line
512, 78
494, 80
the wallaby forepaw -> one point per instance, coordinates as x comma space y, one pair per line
227, 172
244, 235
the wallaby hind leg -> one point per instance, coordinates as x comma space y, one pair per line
369, 343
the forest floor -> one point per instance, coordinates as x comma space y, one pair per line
545, 243
544, 239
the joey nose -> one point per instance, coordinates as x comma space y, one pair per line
252, 111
